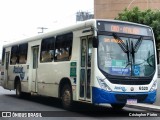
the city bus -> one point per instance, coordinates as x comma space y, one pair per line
95, 61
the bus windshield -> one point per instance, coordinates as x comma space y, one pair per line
126, 56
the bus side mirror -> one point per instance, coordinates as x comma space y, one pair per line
95, 42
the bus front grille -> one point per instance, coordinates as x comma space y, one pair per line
130, 81
123, 98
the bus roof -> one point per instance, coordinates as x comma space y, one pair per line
77, 26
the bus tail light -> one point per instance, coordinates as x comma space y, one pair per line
103, 85
154, 86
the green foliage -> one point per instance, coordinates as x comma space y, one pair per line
147, 17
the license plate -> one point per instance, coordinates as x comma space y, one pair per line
131, 101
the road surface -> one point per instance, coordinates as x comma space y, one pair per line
47, 106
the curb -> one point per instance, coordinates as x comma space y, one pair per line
148, 107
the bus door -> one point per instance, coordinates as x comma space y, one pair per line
85, 69
6, 78
35, 51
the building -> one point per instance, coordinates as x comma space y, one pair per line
109, 9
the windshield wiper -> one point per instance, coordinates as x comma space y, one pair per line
132, 52
128, 51
120, 42
135, 48
138, 44
128, 48
124, 47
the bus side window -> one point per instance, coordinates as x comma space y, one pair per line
47, 50
63, 47
3, 56
14, 55
23, 50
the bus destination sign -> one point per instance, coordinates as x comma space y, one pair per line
124, 28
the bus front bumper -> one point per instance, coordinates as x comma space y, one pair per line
102, 96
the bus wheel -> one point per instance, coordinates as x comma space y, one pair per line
18, 89
66, 97
117, 106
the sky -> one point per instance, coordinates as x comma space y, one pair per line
20, 19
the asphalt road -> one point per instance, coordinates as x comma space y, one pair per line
51, 107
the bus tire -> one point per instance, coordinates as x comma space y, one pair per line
66, 97
118, 106
18, 89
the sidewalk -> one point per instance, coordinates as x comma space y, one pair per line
149, 107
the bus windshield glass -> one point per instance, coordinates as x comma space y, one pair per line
126, 56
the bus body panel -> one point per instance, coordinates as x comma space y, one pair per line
48, 84
102, 96
43, 78
5, 76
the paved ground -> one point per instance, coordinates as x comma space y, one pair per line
158, 93
152, 107
9, 102
52, 107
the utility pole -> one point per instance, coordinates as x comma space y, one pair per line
42, 28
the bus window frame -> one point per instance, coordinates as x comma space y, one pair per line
61, 44
23, 51
47, 47
15, 54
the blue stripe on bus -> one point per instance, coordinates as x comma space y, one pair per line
102, 96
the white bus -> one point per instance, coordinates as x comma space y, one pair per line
96, 61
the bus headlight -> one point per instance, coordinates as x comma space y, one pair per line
103, 85
154, 86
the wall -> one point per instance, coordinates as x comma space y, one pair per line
109, 9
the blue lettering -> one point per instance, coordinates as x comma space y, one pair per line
20, 71
120, 88
17, 69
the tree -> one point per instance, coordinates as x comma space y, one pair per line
147, 17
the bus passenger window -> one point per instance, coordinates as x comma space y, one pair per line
47, 56
3, 56
63, 47
47, 50
23, 49
13, 60
14, 55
